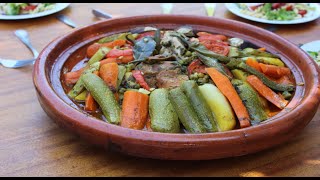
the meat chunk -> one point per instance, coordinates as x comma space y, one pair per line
154, 69
170, 79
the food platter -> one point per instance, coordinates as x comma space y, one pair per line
58, 7
63, 53
234, 8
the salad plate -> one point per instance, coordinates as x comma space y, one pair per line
58, 7
246, 12
313, 49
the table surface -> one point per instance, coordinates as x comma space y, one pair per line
31, 144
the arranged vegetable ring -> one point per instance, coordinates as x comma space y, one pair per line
179, 81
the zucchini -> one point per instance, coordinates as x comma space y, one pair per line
251, 100
121, 72
163, 116
185, 111
191, 89
103, 96
239, 74
220, 107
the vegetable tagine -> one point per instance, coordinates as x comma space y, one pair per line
179, 81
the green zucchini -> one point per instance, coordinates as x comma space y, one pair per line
162, 114
103, 96
239, 74
185, 111
251, 100
191, 89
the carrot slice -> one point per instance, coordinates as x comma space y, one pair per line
262, 49
92, 49
274, 71
253, 63
225, 86
109, 74
90, 103
117, 42
72, 77
266, 92
134, 113
108, 60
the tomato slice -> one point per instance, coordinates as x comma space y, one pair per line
29, 8
196, 66
208, 36
216, 47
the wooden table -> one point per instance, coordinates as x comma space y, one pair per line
31, 144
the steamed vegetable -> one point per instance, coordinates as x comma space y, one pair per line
103, 96
220, 107
191, 89
134, 110
266, 92
228, 90
187, 115
162, 114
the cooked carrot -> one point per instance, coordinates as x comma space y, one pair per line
90, 103
253, 63
225, 86
117, 42
72, 77
108, 60
266, 92
118, 52
274, 71
109, 74
286, 80
92, 49
262, 49
134, 113
126, 59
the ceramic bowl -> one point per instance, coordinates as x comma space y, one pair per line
66, 51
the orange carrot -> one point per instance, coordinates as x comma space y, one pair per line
126, 59
92, 49
72, 77
134, 112
266, 92
225, 86
253, 63
274, 71
90, 103
108, 60
117, 42
109, 74
262, 49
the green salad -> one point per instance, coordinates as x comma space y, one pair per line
276, 11
315, 55
24, 8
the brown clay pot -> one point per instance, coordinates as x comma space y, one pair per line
272, 132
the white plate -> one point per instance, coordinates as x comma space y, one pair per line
311, 46
310, 16
58, 7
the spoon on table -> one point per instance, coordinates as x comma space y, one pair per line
11, 63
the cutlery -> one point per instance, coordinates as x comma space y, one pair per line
166, 8
66, 20
210, 8
24, 37
101, 14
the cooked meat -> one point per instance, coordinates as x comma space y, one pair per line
154, 69
170, 78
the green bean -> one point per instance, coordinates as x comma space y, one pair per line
103, 96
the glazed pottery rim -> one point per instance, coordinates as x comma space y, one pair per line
44, 88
